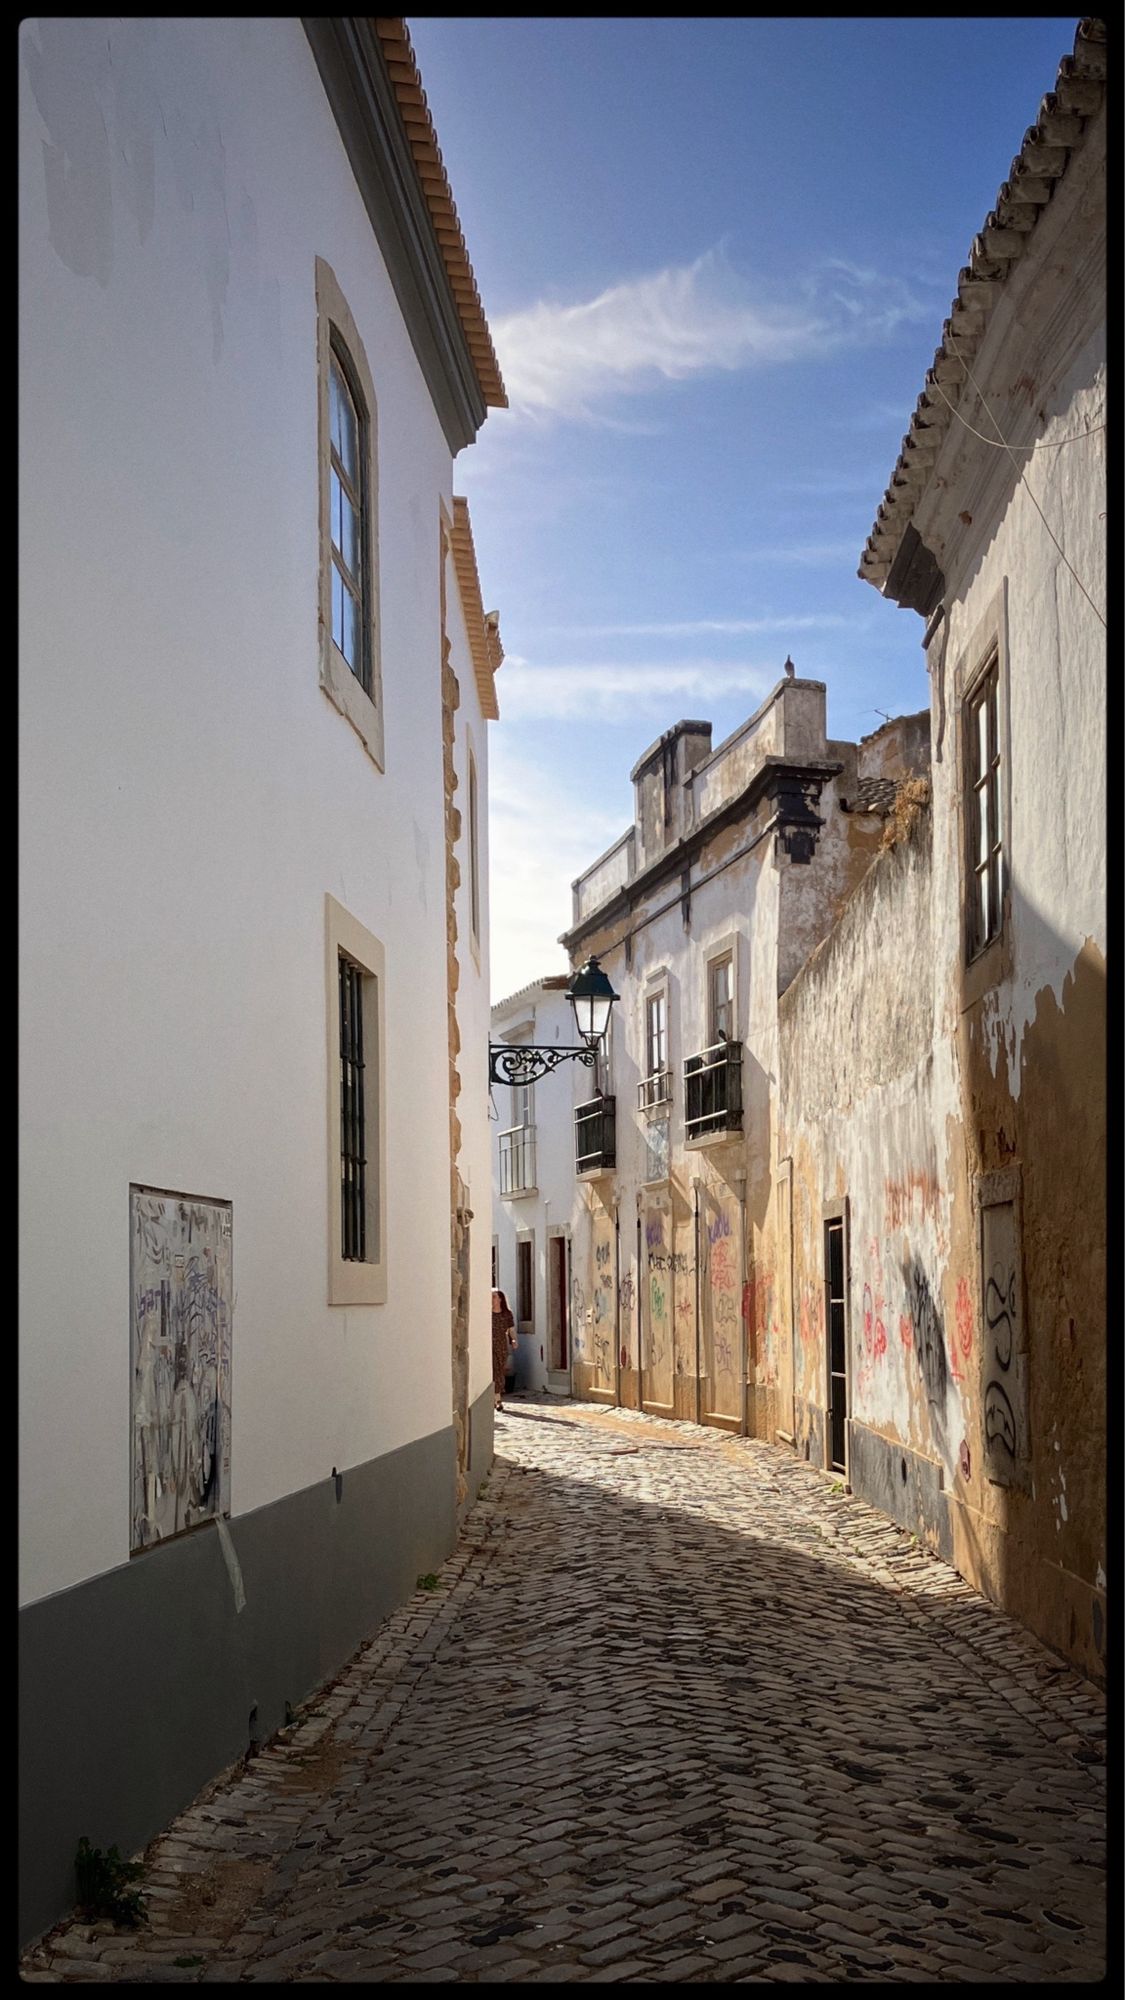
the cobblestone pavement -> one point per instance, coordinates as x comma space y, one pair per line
678, 1709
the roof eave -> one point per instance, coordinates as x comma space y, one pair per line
890, 560
443, 323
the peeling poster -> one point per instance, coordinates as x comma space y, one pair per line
180, 1273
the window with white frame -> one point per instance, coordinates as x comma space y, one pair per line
655, 1086
720, 1000
656, 1033
349, 539
983, 815
357, 1272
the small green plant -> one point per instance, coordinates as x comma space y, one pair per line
196, 1960
102, 1881
837, 1486
427, 1582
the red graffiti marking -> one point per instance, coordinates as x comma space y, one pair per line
880, 1338
906, 1330
965, 1317
624, 1357
901, 1196
961, 1342
868, 1319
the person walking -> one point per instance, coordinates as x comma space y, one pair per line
503, 1344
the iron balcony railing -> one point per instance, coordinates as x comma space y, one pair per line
654, 1089
595, 1135
713, 1091
517, 1160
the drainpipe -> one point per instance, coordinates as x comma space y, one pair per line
792, 1310
641, 1281
698, 1310
740, 1183
546, 1288
617, 1304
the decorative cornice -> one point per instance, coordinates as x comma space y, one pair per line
787, 780
483, 626
443, 318
1043, 159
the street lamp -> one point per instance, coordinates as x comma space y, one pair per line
592, 997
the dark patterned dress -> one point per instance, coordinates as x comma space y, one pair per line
503, 1341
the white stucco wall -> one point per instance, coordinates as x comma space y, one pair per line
188, 793
474, 1161
549, 1019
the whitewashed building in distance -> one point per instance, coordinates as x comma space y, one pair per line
533, 1167
256, 678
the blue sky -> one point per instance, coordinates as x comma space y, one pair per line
715, 256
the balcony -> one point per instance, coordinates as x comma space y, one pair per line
595, 1136
713, 1091
517, 1160
655, 1089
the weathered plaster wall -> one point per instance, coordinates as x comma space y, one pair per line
705, 1308
610, 873
1028, 1023
859, 1083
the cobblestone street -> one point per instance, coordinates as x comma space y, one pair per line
678, 1708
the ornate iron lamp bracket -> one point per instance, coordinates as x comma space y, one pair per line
514, 1062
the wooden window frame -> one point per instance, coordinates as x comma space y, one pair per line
358, 697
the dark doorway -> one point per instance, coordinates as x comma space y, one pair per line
835, 1302
556, 1250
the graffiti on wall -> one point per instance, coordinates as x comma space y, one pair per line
760, 1311
1005, 1408
180, 1354
928, 1335
603, 1285
964, 1319
725, 1285
656, 1358
914, 1198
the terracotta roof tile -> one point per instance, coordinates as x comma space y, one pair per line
398, 54
483, 626
1041, 162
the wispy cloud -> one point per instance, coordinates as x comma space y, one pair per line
683, 321
613, 691
805, 552
816, 621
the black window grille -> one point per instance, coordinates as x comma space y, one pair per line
595, 1135
353, 1161
713, 1091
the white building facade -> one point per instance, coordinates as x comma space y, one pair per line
533, 1169
738, 862
247, 363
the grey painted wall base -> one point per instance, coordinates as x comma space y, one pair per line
898, 1482
137, 1687
482, 1446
